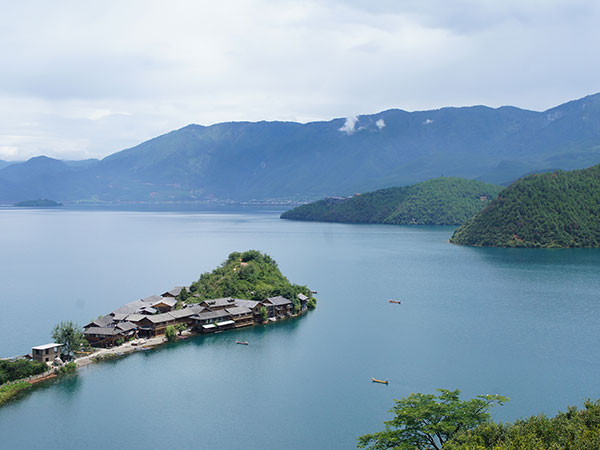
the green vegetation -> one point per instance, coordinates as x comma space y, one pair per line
440, 201
40, 203
20, 368
427, 421
264, 314
9, 391
180, 328
71, 336
559, 209
575, 429
249, 275
68, 368
170, 333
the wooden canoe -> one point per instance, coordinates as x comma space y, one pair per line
398, 302
242, 342
375, 380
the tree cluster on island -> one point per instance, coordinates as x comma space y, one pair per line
558, 209
444, 421
439, 201
250, 275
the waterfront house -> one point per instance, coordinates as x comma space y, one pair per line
103, 321
208, 321
303, 301
108, 336
46, 353
241, 315
278, 307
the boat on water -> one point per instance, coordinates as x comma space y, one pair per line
242, 342
398, 302
375, 380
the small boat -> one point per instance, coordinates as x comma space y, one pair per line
242, 342
375, 380
398, 302
313, 292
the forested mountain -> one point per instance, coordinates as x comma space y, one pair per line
440, 201
559, 209
241, 161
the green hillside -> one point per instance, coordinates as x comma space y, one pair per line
440, 201
559, 209
249, 275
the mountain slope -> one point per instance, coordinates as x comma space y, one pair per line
242, 161
440, 201
560, 209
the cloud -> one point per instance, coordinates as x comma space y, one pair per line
71, 69
380, 124
349, 126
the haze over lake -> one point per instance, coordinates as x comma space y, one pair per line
521, 323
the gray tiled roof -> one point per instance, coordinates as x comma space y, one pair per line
174, 292
103, 331
187, 312
247, 303
219, 302
160, 318
279, 300
166, 300
126, 326
238, 310
302, 297
212, 315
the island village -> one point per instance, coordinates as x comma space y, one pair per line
138, 322
149, 317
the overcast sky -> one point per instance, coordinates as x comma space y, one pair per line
86, 79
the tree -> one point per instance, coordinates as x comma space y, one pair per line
264, 314
170, 333
70, 335
427, 421
180, 327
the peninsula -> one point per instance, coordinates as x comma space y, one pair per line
39, 203
247, 289
558, 209
439, 201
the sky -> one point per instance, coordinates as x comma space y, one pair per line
86, 79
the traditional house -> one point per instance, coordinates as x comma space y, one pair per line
173, 292
46, 353
184, 315
103, 321
303, 302
216, 304
241, 315
210, 321
254, 305
108, 336
165, 304
278, 307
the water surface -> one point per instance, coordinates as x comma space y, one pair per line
522, 323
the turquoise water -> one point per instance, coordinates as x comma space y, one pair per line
522, 323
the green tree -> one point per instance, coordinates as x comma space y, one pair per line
170, 333
70, 335
427, 421
264, 314
180, 327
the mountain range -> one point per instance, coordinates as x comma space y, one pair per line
288, 161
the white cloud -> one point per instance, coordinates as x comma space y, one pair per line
380, 124
349, 126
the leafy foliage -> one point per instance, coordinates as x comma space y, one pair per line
574, 429
70, 335
20, 368
440, 201
250, 275
170, 333
428, 421
8, 391
559, 209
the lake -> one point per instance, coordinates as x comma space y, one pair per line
517, 322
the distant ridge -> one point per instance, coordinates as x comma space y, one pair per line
440, 201
559, 209
287, 161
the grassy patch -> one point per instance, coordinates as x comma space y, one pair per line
9, 391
